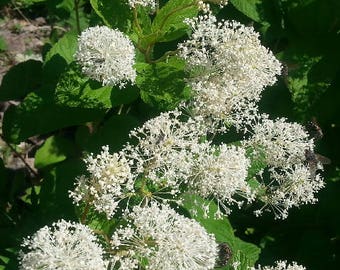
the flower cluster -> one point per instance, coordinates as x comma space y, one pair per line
229, 67
175, 154
283, 143
162, 239
64, 246
110, 181
171, 156
220, 172
281, 265
290, 187
106, 55
164, 147
292, 180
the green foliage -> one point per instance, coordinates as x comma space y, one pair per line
248, 8
116, 14
113, 132
223, 231
78, 115
65, 48
168, 24
29, 72
162, 84
76, 91
55, 149
25, 120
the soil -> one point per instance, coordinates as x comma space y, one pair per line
24, 39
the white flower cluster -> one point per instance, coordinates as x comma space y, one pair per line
163, 149
283, 143
171, 156
106, 55
161, 239
110, 182
281, 265
283, 146
144, 3
63, 246
220, 172
229, 67
175, 153
293, 186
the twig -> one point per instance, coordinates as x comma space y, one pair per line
20, 157
76, 7
84, 214
20, 13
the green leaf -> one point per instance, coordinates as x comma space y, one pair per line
31, 195
308, 79
221, 228
162, 84
38, 115
248, 8
20, 80
54, 150
75, 90
144, 20
66, 5
116, 14
57, 60
114, 133
65, 47
168, 22
54, 193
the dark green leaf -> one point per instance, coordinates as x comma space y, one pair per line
57, 60
37, 115
65, 47
60, 8
248, 8
20, 80
54, 194
114, 133
3, 183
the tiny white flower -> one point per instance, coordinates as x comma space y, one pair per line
161, 239
63, 246
106, 55
281, 265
